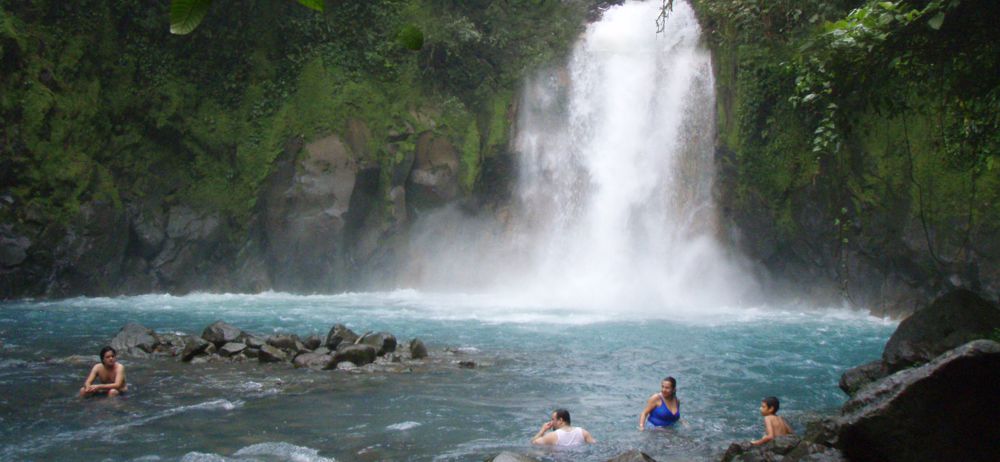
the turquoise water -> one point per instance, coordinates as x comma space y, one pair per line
601, 365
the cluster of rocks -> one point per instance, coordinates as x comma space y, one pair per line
932, 396
342, 348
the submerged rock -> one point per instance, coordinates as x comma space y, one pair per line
773, 450
947, 409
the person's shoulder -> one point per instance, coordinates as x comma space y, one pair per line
773, 418
119, 367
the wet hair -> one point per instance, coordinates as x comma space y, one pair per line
772, 403
563, 415
105, 350
673, 382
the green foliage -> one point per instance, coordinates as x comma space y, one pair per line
185, 15
411, 37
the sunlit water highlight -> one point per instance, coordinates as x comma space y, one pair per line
532, 359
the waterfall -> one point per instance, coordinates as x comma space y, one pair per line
613, 203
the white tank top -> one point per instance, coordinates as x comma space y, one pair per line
572, 437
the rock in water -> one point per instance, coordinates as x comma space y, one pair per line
953, 319
383, 342
220, 333
270, 354
634, 455
947, 409
135, 340
339, 333
288, 342
357, 354
194, 346
417, 349
232, 349
508, 456
313, 360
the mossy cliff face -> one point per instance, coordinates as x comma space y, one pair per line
273, 148
858, 145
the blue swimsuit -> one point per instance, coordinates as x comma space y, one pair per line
662, 417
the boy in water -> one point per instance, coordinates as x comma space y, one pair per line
776, 426
109, 372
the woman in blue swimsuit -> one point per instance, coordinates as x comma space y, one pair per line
662, 409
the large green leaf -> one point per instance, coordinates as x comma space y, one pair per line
314, 4
185, 15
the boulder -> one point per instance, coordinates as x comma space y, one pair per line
313, 360
313, 342
508, 456
220, 333
135, 340
357, 354
13, 247
773, 450
254, 341
857, 377
232, 349
951, 320
947, 409
171, 344
383, 342
194, 346
287, 342
338, 334
343, 366
270, 354
322, 350
251, 352
417, 349
634, 455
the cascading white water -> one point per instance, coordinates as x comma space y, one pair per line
613, 204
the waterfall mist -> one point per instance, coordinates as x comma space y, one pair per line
613, 202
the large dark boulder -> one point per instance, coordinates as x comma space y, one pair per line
947, 409
357, 354
192, 238
383, 342
135, 340
270, 354
773, 450
953, 319
220, 333
857, 377
194, 346
313, 360
287, 342
338, 334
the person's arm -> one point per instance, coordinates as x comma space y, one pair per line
650, 405
769, 425
587, 438
541, 437
119, 380
88, 384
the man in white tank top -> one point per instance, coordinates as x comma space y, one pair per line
564, 434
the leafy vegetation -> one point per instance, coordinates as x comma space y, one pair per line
881, 116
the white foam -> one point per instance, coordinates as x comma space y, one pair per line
402, 426
283, 451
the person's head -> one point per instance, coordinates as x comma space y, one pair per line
769, 406
668, 386
108, 356
560, 418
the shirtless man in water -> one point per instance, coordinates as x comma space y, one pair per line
110, 374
